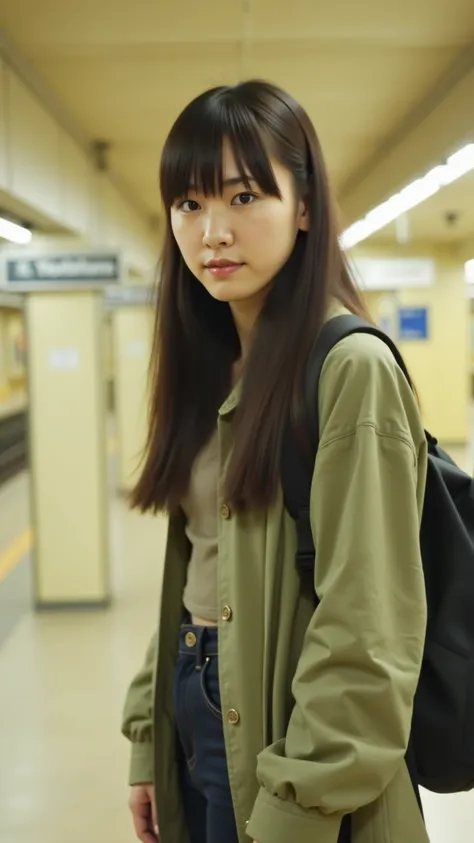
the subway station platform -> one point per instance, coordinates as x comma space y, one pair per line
83, 124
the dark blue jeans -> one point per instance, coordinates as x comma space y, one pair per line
204, 778
205, 784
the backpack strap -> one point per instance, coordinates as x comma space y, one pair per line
298, 468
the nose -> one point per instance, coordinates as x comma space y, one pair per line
217, 231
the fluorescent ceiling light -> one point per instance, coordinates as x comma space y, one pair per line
457, 165
469, 271
14, 233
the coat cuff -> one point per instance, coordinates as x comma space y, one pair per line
141, 764
274, 820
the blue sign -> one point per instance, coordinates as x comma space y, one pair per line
413, 323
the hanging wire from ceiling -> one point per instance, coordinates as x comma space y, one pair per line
245, 43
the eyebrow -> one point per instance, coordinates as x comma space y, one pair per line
238, 180
235, 180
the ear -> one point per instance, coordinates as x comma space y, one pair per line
303, 216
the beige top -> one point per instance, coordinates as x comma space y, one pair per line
200, 508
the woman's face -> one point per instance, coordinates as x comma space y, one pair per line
236, 243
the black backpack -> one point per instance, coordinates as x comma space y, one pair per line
442, 738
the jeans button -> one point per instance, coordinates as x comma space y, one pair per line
233, 717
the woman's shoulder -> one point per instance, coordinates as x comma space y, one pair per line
358, 351
362, 383
362, 352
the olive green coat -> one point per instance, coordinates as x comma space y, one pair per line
323, 700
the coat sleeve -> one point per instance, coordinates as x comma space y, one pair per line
359, 668
137, 722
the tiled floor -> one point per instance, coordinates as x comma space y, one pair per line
63, 762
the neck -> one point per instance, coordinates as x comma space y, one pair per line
245, 315
244, 325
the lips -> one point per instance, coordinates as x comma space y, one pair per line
222, 268
221, 262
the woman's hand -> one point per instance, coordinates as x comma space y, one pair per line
143, 808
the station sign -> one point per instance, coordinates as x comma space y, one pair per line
82, 269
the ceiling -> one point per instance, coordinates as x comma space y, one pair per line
363, 70
447, 218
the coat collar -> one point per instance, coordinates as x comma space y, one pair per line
232, 401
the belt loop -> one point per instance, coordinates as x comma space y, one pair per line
200, 647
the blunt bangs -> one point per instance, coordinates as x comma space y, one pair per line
214, 117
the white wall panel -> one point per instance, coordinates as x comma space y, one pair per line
33, 149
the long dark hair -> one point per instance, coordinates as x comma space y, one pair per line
195, 340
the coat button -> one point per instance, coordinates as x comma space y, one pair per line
226, 613
225, 512
233, 717
190, 639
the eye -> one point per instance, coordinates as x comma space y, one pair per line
244, 199
188, 206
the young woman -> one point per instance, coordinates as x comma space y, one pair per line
255, 716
